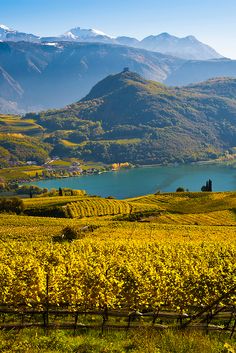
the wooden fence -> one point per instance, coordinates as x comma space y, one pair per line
218, 318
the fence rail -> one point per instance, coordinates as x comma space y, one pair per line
217, 318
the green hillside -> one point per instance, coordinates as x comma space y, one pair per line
14, 124
220, 86
128, 118
19, 148
168, 124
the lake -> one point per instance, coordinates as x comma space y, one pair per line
147, 180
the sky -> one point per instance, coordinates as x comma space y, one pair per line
211, 21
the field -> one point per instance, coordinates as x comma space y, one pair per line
174, 251
23, 173
17, 125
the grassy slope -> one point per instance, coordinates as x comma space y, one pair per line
21, 140
189, 208
14, 124
23, 173
184, 202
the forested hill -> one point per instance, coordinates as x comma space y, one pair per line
220, 86
126, 117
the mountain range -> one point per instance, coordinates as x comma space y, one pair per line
8, 34
187, 48
37, 76
41, 73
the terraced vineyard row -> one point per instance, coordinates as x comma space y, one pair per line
90, 207
138, 275
51, 201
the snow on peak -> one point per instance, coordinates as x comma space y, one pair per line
5, 27
98, 33
69, 35
82, 33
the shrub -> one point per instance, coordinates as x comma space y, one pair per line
71, 233
31, 190
13, 204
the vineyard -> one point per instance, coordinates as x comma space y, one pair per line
92, 273
178, 261
185, 203
89, 207
179, 208
39, 202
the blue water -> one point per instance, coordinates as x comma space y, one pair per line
146, 180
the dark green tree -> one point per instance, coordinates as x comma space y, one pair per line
180, 189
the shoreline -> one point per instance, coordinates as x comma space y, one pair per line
137, 166
220, 163
208, 162
166, 179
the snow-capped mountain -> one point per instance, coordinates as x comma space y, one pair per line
87, 35
8, 34
4, 28
186, 48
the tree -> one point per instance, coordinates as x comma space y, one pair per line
208, 186
60, 192
180, 189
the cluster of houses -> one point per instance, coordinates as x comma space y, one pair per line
74, 168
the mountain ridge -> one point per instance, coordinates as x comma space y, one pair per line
37, 76
186, 48
51, 76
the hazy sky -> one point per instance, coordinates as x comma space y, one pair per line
211, 21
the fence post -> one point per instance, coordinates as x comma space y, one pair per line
46, 315
105, 318
233, 329
76, 321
